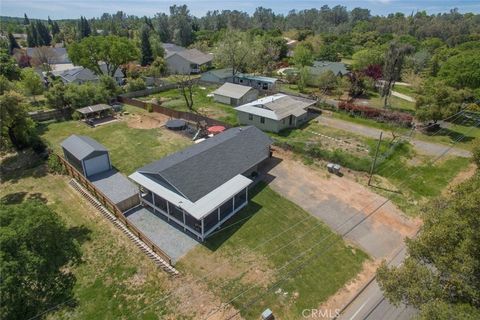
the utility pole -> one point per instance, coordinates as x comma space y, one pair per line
375, 159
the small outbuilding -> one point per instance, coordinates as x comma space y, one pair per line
234, 94
257, 82
86, 155
218, 75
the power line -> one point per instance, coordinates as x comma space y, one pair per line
322, 252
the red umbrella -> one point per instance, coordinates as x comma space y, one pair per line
216, 129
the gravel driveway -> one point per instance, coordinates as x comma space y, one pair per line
423, 147
341, 203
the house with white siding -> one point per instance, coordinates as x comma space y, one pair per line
204, 185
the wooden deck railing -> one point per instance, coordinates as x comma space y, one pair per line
74, 173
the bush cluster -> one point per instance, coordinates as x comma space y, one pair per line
400, 118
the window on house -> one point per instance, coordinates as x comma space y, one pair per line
262, 120
250, 116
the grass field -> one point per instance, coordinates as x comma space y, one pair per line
249, 262
409, 91
375, 100
447, 136
114, 279
130, 148
202, 103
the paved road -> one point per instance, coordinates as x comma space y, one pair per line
342, 203
428, 148
370, 303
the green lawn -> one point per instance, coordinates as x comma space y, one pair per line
446, 136
376, 101
114, 280
130, 148
409, 91
202, 103
248, 262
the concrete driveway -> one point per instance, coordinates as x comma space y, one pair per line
342, 203
423, 147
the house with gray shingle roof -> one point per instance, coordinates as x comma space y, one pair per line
234, 94
275, 113
189, 61
218, 75
81, 75
202, 186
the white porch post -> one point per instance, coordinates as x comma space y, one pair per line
153, 202
202, 230
218, 211
184, 221
168, 211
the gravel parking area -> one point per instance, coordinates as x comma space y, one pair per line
342, 203
168, 237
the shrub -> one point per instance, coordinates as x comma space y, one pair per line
54, 165
149, 107
135, 85
400, 118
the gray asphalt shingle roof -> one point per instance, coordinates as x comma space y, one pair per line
114, 185
94, 108
195, 56
201, 168
82, 146
232, 90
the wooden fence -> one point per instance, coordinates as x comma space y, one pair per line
50, 114
107, 203
189, 116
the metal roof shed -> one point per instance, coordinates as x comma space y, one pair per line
86, 155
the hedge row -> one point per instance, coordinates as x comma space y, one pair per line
399, 118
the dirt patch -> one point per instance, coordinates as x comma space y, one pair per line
142, 121
196, 300
344, 295
461, 177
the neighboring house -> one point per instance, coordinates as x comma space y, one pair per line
234, 94
218, 75
50, 54
80, 75
86, 155
202, 186
319, 67
93, 161
275, 113
257, 82
189, 61
172, 48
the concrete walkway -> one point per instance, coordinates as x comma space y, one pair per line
402, 96
168, 237
423, 147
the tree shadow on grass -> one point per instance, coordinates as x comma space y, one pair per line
23, 164
453, 135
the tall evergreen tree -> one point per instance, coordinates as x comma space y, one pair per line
31, 35
145, 47
12, 43
44, 38
55, 28
26, 21
83, 28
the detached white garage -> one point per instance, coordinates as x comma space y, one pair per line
86, 155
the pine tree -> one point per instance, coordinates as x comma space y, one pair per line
26, 21
12, 43
83, 28
50, 23
31, 35
55, 28
146, 48
44, 38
